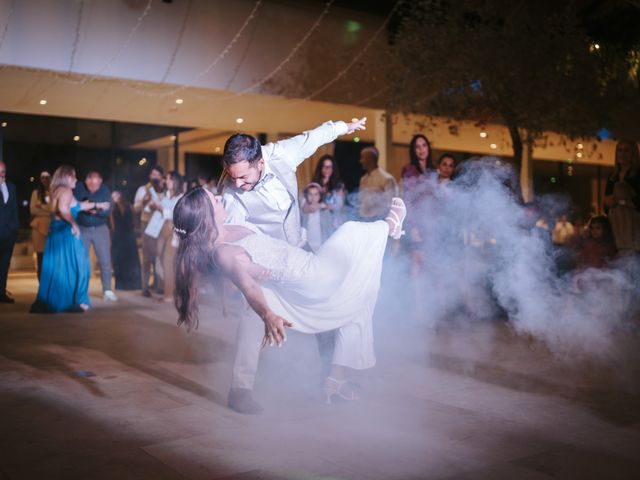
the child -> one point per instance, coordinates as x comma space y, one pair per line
319, 222
597, 247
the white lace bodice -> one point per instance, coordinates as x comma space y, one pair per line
285, 262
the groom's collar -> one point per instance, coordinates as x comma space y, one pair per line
267, 175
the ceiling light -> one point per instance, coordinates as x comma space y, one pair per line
239, 120
493, 146
179, 101
43, 102
4, 124
579, 146
76, 138
142, 161
172, 137
31, 179
579, 155
484, 134
217, 149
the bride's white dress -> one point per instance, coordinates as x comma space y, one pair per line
335, 288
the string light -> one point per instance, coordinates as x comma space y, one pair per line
135, 85
178, 42
76, 39
126, 42
195, 80
113, 59
344, 71
373, 95
6, 26
287, 59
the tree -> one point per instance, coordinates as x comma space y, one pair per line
533, 66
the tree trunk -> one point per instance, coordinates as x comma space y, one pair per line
523, 159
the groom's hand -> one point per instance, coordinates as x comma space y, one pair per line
274, 330
356, 125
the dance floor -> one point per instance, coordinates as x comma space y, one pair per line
121, 393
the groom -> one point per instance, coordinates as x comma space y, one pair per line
261, 188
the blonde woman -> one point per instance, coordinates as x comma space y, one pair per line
39, 208
64, 282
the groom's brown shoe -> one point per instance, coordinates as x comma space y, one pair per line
241, 400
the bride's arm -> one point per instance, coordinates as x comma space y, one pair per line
236, 264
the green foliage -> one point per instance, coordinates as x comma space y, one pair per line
542, 65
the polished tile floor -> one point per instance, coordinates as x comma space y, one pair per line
121, 393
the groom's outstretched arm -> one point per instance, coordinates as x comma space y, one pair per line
296, 149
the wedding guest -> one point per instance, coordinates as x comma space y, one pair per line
377, 187
94, 226
41, 217
418, 193
420, 162
445, 168
145, 204
327, 176
316, 218
622, 197
64, 283
597, 248
563, 231
167, 246
9, 224
124, 249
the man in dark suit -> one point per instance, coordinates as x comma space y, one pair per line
8, 229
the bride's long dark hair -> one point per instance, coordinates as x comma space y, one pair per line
194, 224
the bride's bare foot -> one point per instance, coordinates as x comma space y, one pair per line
396, 216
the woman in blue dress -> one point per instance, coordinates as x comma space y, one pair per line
64, 281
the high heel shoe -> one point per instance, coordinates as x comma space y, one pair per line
333, 387
396, 216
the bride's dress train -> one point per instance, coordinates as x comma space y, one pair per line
335, 288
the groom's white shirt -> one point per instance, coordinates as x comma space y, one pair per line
270, 202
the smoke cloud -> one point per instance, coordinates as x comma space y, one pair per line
482, 258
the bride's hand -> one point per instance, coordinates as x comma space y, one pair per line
274, 329
356, 125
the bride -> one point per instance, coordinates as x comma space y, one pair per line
335, 288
